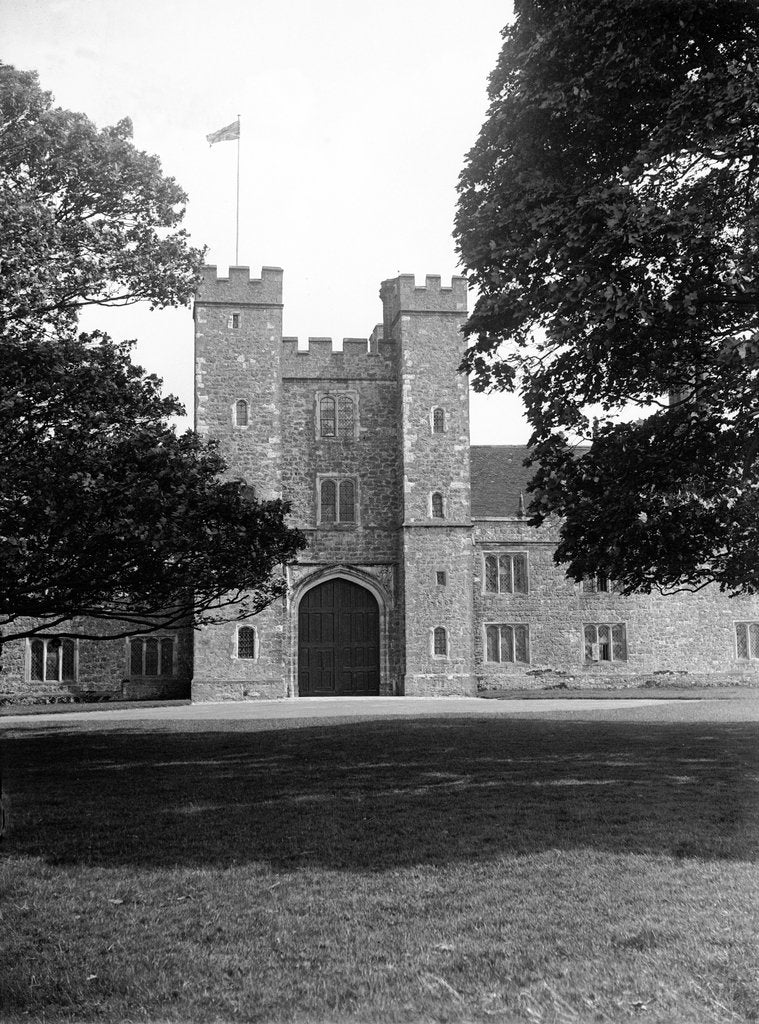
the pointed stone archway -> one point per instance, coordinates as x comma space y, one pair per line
338, 640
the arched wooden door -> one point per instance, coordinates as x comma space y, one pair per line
338, 641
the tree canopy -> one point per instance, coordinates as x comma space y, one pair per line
105, 512
609, 218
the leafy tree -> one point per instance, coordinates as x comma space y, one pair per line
609, 216
105, 513
87, 218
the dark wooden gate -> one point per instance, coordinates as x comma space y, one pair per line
338, 641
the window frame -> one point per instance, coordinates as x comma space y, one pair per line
338, 479
512, 626
443, 505
336, 397
174, 637
750, 647
611, 626
498, 554
231, 325
235, 420
600, 585
444, 415
46, 638
256, 641
434, 631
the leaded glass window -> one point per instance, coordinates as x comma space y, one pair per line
151, 656
438, 421
605, 641
507, 643
52, 659
329, 501
440, 641
347, 509
747, 640
506, 573
599, 584
327, 417
37, 660
338, 502
241, 413
167, 655
345, 416
68, 659
437, 506
246, 642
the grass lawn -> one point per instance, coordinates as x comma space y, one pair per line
459, 869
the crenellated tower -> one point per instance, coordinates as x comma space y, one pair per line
238, 402
424, 322
238, 380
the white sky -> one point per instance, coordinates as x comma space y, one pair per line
355, 120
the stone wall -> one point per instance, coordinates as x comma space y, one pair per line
424, 322
687, 639
103, 670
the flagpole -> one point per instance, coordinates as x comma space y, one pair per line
237, 214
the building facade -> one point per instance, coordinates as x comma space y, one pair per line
421, 575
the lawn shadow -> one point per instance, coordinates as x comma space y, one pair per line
376, 795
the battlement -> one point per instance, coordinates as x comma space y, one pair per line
239, 288
358, 358
402, 295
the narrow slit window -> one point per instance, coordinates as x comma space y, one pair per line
241, 413
438, 421
233, 321
440, 641
441, 578
437, 506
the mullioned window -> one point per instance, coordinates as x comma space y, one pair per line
506, 573
337, 501
605, 641
507, 642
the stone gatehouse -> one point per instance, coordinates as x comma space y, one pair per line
421, 575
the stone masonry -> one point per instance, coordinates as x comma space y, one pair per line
427, 530
421, 574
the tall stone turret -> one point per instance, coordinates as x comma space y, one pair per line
436, 557
238, 386
238, 402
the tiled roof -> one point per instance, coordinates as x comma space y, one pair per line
498, 479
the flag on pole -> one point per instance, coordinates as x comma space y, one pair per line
231, 131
